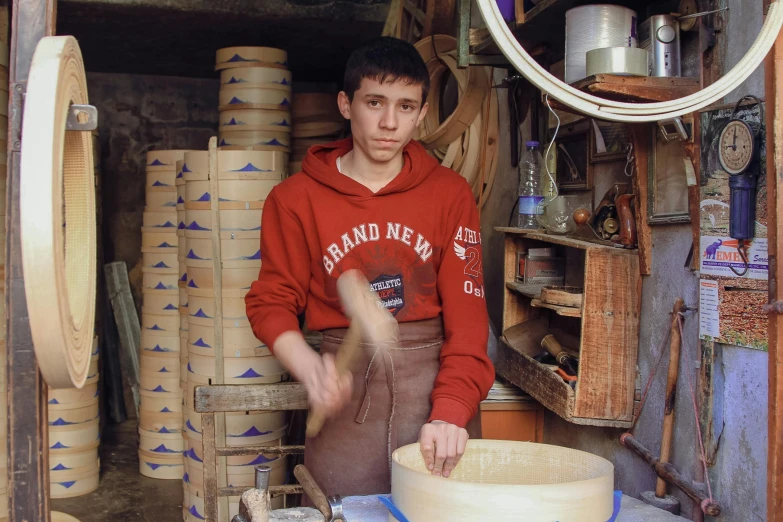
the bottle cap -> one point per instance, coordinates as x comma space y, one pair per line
531, 144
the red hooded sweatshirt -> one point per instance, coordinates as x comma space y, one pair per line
416, 240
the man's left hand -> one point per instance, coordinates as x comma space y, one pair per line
442, 445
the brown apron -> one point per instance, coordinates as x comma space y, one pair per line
390, 403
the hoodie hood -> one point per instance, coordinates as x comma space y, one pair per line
320, 163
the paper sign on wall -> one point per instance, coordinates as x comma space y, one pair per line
709, 319
719, 253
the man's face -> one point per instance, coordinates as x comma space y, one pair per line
384, 116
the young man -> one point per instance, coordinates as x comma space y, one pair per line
379, 203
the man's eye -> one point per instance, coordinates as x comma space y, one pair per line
375, 103
407, 107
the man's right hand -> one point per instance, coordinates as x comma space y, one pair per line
326, 390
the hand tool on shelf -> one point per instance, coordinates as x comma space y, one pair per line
563, 358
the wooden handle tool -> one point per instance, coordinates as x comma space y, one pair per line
560, 354
312, 490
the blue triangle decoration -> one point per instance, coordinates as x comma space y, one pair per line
237, 58
167, 224
283, 123
190, 369
201, 343
158, 349
195, 226
171, 307
191, 284
283, 82
192, 255
252, 432
180, 200
232, 122
164, 370
157, 163
222, 143
185, 168
233, 80
204, 197
249, 168
54, 401
275, 143
285, 103
60, 467
165, 244
249, 374
61, 422
165, 430
160, 286
257, 255
153, 466
68, 484
159, 184
179, 175
181, 225
163, 449
235, 101
160, 389
186, 478
161, 265
195, 513
169, 204
156, 327
224, 199
166, 410
202, 314
259, 460
190, 427
58, 445
184, 277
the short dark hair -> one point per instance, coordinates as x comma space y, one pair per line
386, 59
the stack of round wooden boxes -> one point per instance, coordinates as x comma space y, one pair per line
160, 417
74, 467
244, 179
316, 120
255, 99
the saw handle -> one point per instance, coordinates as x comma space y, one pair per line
346, 355
312, 490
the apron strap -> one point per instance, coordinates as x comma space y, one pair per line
391, 383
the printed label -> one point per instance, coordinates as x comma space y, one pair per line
531, 205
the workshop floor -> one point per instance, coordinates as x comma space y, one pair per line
124, 495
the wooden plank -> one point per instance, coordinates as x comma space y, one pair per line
582, 244
247, 397
641, 145
693, 151
774, 125
515, 309
129, 330
274, 491
637, 89
231, 451
519, 12
609, 337
217, 292
27, 444
531, 291
565, 311
210, 467
4, 21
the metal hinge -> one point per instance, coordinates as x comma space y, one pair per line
82, 118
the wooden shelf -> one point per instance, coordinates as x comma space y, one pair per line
565, 311
531, 291
580, 243
637, 89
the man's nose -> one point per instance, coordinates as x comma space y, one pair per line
389, 119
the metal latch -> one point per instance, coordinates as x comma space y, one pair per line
82, 118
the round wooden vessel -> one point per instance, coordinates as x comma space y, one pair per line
160, 403
81, 436
236, 368
234, 278
161, 304
159, 280
159, 343
157, 260
161, 178
255, 120
158, 160
170, 422
72, 395
159, 323
160, 200
242, 96
163, 444
196, 165
230, 221
159, 467
73, 483
245, 56
231, 190
232, 250
516, 481
249, 138
237, 342
159, 240
78, 459
74, 413
255, 75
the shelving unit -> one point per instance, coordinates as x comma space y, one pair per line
604, 331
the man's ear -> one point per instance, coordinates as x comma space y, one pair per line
423, 113
344, 104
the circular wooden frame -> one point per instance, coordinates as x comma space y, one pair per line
57, 206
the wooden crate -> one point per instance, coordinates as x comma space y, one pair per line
605, 330
522, 421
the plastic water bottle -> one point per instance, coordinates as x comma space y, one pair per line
530, 196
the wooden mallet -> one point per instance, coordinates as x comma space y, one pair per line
369, 321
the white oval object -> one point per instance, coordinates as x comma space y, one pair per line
595, 27
604, 109
162, 444
154, 343
234, 190
167, 220
196, 165
68, 484
157, 323
163, 160
239, 278
158, 467
622, 61
516, 481
240, 96
255, 75
57, 215
230, 220
255, 120
160, 200
157, 260
250, 138
161, 304
246, 56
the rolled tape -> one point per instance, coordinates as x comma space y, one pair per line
624, 61
255, 75
271, 97
240, 57
255, 119
57, 215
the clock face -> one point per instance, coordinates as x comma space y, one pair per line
736, 147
